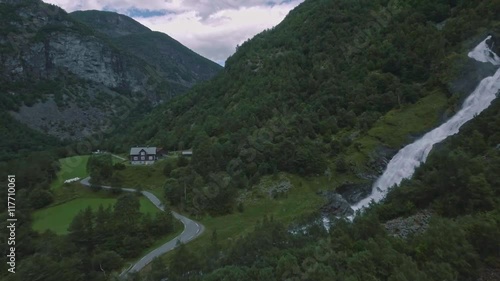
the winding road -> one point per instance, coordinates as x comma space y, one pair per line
191, 231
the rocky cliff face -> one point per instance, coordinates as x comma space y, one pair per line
83, 56
178, 64
53, 67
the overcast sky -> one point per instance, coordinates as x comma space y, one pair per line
211, 28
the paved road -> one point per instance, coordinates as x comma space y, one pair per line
192, 230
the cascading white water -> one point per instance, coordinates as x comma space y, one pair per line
404, 163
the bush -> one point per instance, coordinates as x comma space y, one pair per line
115, 190
138, 191
40, 198
95, 187
341, 165
167, 170
240, 207
119, 166
182, 161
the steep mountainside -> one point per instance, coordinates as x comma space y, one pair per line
62, 77
177, 63
332, 91
109, 23
311, 109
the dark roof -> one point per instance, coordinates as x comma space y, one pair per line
148, 150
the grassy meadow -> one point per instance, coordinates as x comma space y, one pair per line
71, 167
58, 217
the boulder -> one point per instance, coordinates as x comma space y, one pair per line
355, 192
336, 205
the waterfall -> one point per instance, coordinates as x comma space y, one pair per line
404, 163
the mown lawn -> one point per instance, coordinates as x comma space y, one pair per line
71, 167
58, 218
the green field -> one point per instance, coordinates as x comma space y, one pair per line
57, 218
71, 167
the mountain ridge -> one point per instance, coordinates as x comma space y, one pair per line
77, 76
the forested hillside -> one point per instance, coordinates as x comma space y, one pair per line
324, 92
327, 96
459, 185
335, 90
178, 64
61, 77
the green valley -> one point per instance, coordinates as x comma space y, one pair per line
355, 140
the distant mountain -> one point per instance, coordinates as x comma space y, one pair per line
63, 76
178, 63
110, 23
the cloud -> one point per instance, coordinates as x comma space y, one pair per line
212, 28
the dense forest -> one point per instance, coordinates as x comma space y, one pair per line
459, 183
298, 98
301, 97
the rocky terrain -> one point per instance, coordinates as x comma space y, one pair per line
336, 205
404, 227
490, 274
176, 63
62, 77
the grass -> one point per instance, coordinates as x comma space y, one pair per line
301, 200
148, 177
58, 217
70, 198
71, 167
119, 160
75, 191
398, 127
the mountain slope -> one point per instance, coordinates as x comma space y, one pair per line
323, 93
176, 62
264, 113
110, 23
63, 78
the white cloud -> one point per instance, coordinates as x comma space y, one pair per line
211, 28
